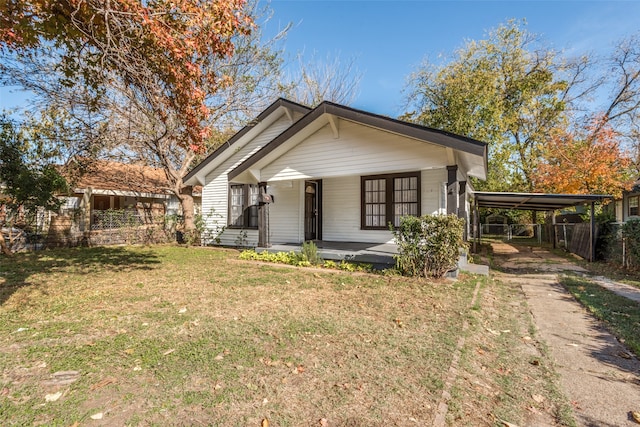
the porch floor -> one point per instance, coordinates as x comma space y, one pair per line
378, 254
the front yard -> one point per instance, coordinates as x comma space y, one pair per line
169, 335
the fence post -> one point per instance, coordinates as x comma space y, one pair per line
539, 226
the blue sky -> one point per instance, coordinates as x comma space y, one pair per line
389, 39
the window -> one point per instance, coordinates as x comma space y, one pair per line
243, 205
387, 198
633, 206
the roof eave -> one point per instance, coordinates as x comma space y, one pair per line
196, 175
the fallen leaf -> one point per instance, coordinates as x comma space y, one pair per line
182, 310
265, 423
103, 383
97, 416
624, 355
324, 422
137, 368
128, 351
219, 357
508, 424
168, 352
537, 398
300, 369
636, 416
4, 391
52, 397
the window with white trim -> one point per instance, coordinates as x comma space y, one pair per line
243, 205
634, 206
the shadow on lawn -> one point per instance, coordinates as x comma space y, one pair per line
16, 272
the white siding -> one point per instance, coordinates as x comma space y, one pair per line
433, 193
358, 150
215, 191
285, 213
341, 207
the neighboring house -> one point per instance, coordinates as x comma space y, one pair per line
331, 173
629, 206
140, 191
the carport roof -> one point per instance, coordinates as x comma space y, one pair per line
534, 201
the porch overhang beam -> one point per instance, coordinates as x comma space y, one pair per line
333, 122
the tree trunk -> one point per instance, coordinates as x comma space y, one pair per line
3, 246
186, 202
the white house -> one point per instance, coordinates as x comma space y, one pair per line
331, 173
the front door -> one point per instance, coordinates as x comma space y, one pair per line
312, 210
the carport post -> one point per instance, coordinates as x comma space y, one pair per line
592, 243
553, 228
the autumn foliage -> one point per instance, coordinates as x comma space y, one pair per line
162, 49
592, 163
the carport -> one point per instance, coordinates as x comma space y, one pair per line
537, 202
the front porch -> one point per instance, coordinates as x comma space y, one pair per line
380, 255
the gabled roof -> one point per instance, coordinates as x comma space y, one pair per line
411, 130
210, 163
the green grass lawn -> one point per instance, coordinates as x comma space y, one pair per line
621, 315
170, 335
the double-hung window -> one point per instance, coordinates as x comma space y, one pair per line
387, 198
243, 205
634, 206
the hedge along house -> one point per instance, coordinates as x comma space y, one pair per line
331, 173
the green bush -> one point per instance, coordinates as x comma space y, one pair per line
301, 260
310, 253
631, 235
429, 245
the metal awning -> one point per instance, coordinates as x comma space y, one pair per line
535, 201
540, 202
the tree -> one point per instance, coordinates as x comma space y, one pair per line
157, 63
331, 79
161, 48
592, 163
28, 179
621, 81
506, 90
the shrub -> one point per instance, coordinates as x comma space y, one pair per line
310, 253
429, 245
631, 235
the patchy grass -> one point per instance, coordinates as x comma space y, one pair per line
621, 315
506, 373
186, 336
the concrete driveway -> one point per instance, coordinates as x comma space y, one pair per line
596, 372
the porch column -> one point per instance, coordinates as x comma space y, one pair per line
462, 206
452, 190
263, 217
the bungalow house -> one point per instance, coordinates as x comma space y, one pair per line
109, 195
628, 207
331, 173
